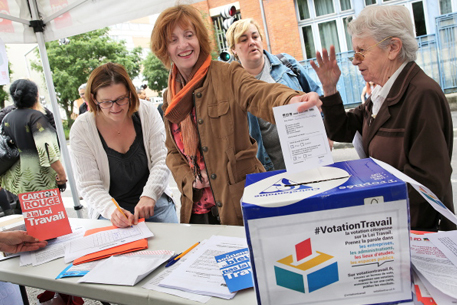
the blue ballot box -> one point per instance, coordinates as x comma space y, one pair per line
337, 234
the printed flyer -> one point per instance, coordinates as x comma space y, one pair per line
353, 255
236, 269
44, 214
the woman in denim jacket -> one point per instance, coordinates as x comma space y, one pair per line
245, 43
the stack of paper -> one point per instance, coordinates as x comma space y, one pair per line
200, 273
105, 240
127, 269
434, 259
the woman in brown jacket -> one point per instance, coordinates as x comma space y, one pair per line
205, 108
406, 121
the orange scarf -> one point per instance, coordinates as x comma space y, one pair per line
179, 110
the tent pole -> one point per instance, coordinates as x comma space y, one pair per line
56, 110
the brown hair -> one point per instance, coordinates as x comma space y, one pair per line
107, 75
184, 16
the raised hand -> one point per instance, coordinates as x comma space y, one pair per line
327, 71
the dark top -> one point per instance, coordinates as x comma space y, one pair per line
129, 172
83, 108
10, 108
412, 132
37, 142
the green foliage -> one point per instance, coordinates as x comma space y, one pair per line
71, 64
155, 73
3, 93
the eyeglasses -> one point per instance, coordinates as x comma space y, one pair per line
360, 56
120, 102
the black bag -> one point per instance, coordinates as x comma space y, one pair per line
9, 154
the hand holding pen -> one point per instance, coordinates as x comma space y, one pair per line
121, 218
176, 258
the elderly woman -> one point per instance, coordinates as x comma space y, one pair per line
210, 151
245, 41
406, 122
118, 152
39, 167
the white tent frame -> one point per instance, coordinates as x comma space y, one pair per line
38, 28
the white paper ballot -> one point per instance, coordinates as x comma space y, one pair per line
105, 240
303, 138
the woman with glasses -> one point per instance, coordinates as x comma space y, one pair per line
406, 121
118, 152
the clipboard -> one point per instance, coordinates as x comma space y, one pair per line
141, 244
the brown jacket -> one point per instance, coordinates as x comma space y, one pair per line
412, 132
221, 107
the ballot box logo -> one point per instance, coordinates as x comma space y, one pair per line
284, 185
306, 271
429, 195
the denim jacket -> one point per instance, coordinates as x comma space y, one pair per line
281, 74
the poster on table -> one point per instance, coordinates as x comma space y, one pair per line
44, 214
340, 238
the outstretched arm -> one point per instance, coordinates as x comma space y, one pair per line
19, 241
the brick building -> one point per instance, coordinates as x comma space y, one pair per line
300, 27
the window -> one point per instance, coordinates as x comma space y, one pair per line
324, 7
348, 37
345, 5
309, 41
370, 2
303, 9
329, 35
220, 32
445, 7
419, 18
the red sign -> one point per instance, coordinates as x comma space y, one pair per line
45, 216
5, 24
63, 20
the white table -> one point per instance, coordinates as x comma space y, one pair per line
176, 237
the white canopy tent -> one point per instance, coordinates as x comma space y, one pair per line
39, 21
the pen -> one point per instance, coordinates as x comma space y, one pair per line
119, 208
176, 258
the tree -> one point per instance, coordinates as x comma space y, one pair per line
155, 73
3, 93
72, 63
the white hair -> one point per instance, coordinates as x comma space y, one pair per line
82, 87
381, 21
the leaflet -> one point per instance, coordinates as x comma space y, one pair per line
303, 139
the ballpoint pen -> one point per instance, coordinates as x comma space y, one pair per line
176, 258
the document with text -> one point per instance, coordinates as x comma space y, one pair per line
105, 240
200, 273
303, 139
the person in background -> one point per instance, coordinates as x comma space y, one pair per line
406, 122
245, 42
38, 167
84, 107
141, 91
118, 152
77, 103
366, 92
210, 151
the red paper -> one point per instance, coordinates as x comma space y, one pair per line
45, 216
